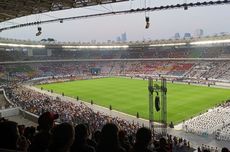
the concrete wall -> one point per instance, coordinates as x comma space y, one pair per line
30, 116
9, 112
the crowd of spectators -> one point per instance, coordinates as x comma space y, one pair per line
223, 133
218, 70
37, 103
206, 148
197, 70
214, 122
92, 128
66, 137
130, 53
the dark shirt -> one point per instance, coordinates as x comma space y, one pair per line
76, 147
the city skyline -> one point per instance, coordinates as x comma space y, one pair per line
163, 24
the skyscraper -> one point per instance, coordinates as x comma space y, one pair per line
123, 37
177, 36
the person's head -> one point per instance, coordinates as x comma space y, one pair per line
8, 135
81, 132
109, 134
162, 142
143, 136
46, 121
224, 149
62, 137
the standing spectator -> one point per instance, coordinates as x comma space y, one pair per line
41, 140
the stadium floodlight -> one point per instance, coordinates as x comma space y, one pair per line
167, 44
96, 47
22, 45
210, 42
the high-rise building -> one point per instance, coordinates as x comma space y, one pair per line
93, 41
187, 35
118, 39
177, 36
123, 37
199, 33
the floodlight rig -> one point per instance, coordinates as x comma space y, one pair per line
163, 106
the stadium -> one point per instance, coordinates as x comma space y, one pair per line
179, 89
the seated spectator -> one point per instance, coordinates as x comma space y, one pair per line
10, 138
9, 135
109, 139
80, 144
62, 138
143, 138
163, 147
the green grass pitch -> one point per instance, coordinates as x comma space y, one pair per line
131, 96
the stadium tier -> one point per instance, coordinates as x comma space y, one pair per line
24, 54
217, 71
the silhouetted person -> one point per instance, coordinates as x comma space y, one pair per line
8, 135
10, 138
109, 139
163, 146
224, 149
41, 140
62, 138
143, 138
80, 142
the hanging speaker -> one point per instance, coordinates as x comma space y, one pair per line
157, 103
147, 22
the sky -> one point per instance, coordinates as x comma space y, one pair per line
163, 24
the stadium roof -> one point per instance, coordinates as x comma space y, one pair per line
11, 9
